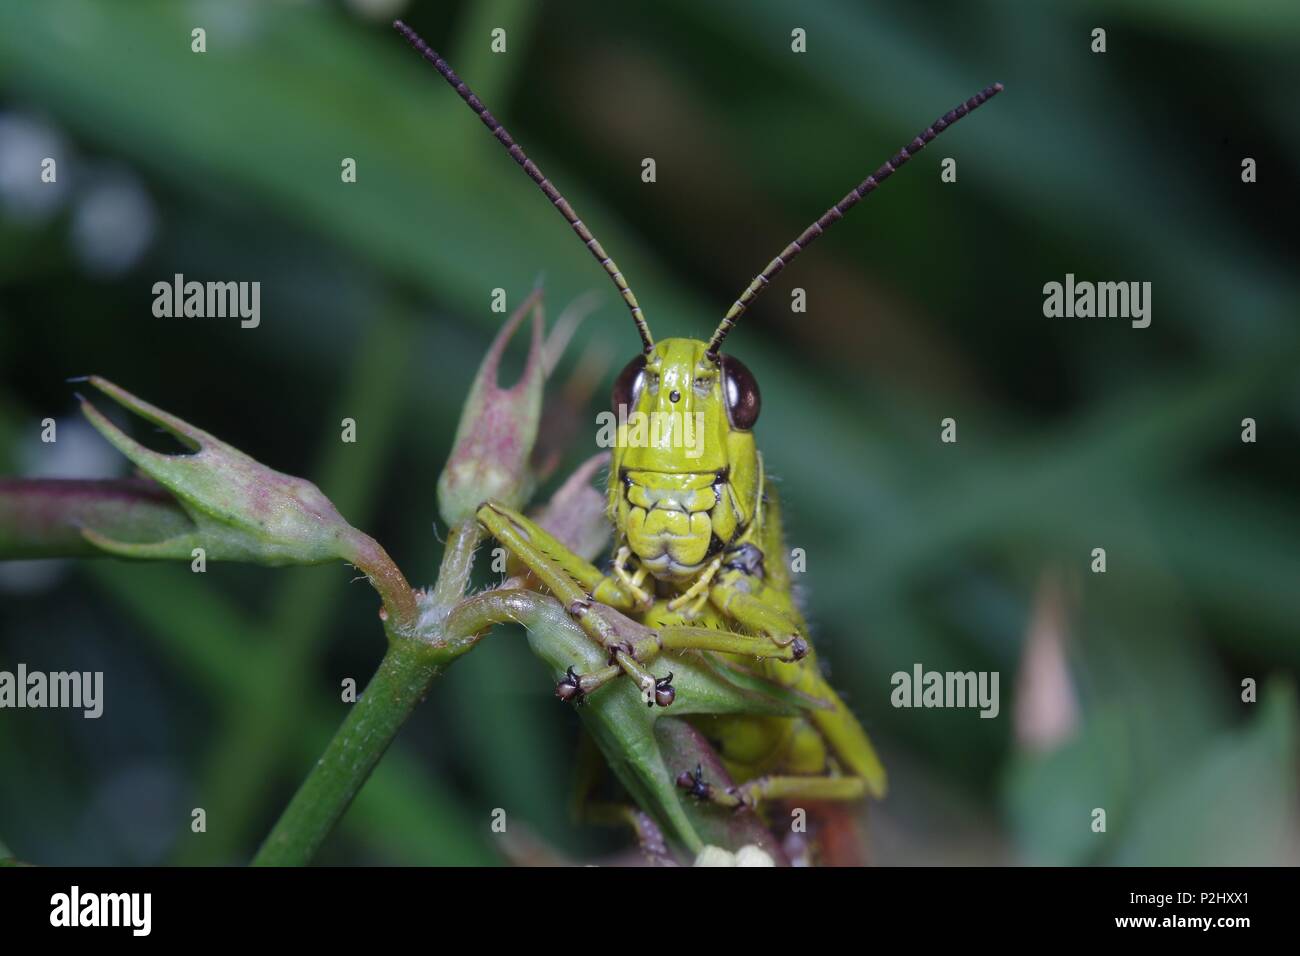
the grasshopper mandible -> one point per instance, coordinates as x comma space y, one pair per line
698, 560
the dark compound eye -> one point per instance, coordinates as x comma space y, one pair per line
627, 387
740, 389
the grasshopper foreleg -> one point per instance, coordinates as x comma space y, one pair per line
592, 598
574, 686
753, 614
570, 577
595, 601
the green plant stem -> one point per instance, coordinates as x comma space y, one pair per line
410, 665
403, 678
399, 611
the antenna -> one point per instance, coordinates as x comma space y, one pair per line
837, 212
535, 174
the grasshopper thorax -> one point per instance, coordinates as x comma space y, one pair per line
686, 476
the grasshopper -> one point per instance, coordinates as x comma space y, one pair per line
699, 555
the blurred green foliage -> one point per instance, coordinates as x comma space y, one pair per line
926, 303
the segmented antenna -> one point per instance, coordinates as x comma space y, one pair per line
535, 174
839, 209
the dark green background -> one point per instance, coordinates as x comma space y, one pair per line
925, 303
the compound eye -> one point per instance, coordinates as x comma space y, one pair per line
740, 389
628, 385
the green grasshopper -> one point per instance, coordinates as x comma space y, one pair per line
699, 556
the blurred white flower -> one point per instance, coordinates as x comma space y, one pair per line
77, 452
745, 856
24, 144
113, 223
753, 856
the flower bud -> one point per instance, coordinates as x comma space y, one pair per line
241, 509
498, 427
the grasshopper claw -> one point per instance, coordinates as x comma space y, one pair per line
692, 781
570, 687
665, 693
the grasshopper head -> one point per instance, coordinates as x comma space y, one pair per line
684, 492
685, 472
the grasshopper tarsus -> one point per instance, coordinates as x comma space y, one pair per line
665, 693
692, 781
569, 687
